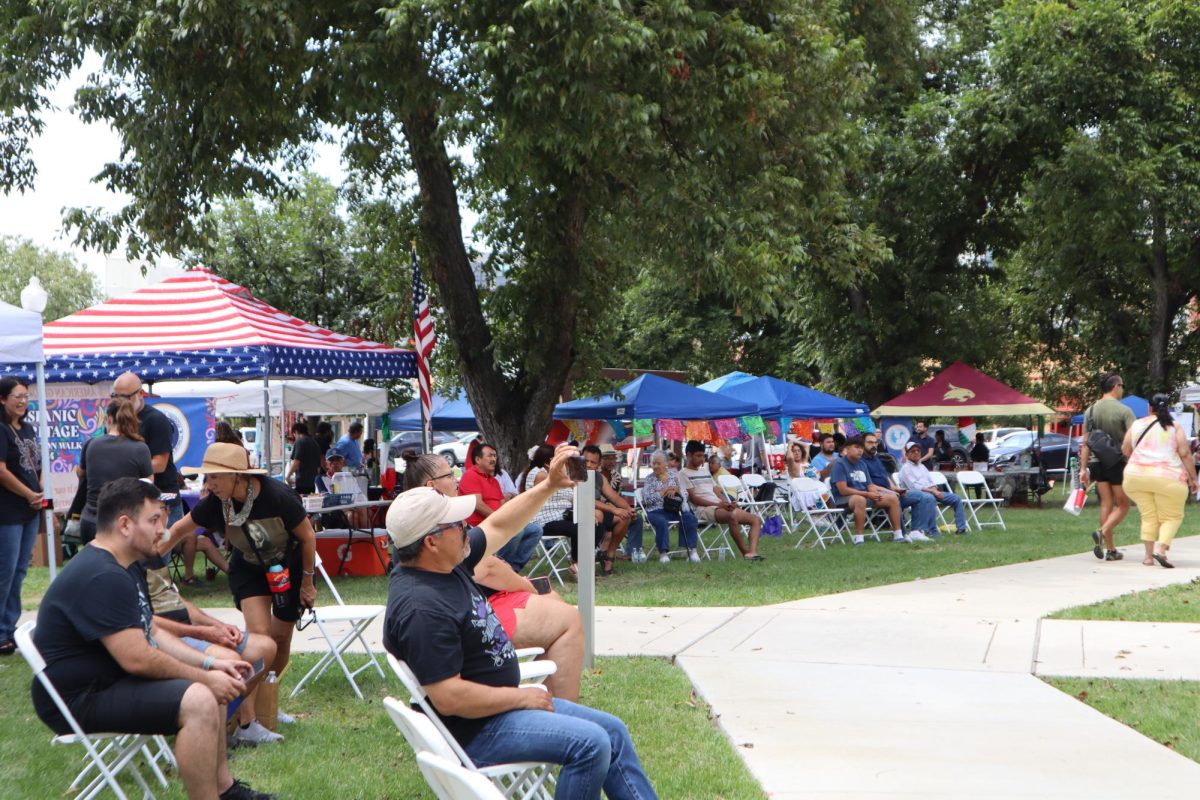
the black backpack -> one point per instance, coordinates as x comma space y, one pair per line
1101, 445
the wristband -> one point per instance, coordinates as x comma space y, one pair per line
307, 573
208, 662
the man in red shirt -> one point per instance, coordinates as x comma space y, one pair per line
480, 480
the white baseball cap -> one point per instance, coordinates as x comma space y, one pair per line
417, 512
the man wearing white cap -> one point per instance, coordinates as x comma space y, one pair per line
914, 476
439, 624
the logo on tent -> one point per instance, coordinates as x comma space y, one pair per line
958, 393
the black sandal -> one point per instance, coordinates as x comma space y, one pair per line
606, 564
8, 648
1162, 561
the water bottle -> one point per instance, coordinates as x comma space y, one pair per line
280, 583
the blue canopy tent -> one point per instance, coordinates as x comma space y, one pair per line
1140, 407
779, 398
448, 414
726, 380
652, 397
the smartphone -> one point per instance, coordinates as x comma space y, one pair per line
577, 468
541, 584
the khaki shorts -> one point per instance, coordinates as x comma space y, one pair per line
706, 513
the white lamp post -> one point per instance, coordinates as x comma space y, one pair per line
33, 298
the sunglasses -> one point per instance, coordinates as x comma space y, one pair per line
440, 529
304, 621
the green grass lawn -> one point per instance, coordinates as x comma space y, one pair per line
1178, 603
345, 748
1166, 711
787, 573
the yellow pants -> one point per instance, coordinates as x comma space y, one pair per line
1160, 503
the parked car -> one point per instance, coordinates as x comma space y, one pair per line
1025, 450
411, 440
455, 452
994, 435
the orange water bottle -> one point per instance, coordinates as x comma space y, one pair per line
280, 583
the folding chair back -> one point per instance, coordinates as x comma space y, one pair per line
450, 781
819, 520
984, 510
733, 488
526, 780
421, 734
940, 480
358, 618
107, 753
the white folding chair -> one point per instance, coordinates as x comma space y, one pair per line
985, 510
877, 518
553, 552
327, 618
942, 484
817, 518
528, 780
749, 484
451, 781
108, 754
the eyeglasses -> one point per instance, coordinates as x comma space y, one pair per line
19, 398
440, 529
129, 396
443, 477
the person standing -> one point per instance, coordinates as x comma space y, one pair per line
349, 447
1158, 477
159, 435
306, 459
921, 436
1110, 416
264, 522
20, 502
119, 453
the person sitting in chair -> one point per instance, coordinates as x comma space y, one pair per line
915, 477
853, 490
698, 482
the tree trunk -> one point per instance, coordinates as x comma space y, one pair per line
514, 413
1160, 310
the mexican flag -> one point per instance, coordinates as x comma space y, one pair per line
966, 431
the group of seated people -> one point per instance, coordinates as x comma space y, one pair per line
128, 654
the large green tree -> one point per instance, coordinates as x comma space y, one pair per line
69, 287
706, 141
1110, 208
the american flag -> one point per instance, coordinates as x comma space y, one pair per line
424, 338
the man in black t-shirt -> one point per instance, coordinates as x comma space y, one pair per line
159, 435
119, 673
441, 626
306, 460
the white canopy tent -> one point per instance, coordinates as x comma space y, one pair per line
326, 398
21, 343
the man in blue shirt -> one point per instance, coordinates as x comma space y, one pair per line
853, 489
921, 436
348, 446
823, 460
923, 505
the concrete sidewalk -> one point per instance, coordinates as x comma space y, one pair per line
925, 689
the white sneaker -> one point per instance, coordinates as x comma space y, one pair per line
693, 556
253, 735
284, 719
918, 536
664, 559
901, 538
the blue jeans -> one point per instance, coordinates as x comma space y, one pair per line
520, 548
688, 536
593, 747
954, 501
633, 537
924, 510
16, 548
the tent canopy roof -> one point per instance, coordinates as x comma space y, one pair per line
960, 390
199, 325
307, 396
449, 414
20, 335
652, 397
779, 398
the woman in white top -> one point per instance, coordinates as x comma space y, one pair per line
1159, 475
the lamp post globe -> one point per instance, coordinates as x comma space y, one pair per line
33, 296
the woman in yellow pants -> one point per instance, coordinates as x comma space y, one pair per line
1158, 477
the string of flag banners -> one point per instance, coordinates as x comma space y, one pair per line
715, 432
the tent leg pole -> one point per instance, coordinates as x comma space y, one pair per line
265, 454
47, 489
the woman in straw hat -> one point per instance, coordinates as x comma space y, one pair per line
264, 521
